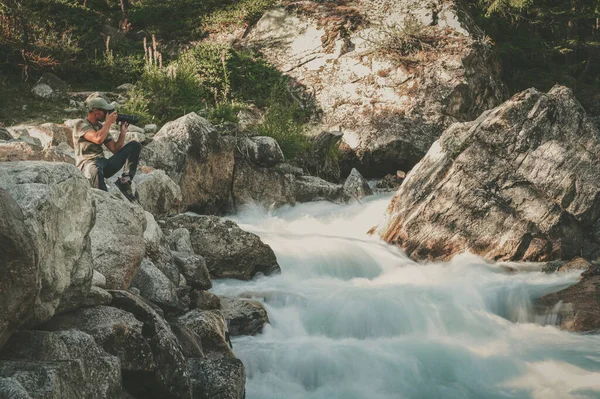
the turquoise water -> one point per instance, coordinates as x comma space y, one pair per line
354, 318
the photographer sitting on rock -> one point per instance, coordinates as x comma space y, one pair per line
89, 134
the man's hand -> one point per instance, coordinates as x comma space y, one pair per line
110, 119
124, 128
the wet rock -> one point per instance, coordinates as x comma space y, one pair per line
312, 188
193, 268
118, 244
158, 193
245, 317
223, 378
575, 264
229, 251
204, 300
576, 308
211, 327
58, 211
492, 186
96, 373
19, 273
198, 159
356, 186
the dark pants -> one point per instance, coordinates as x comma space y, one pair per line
100, 168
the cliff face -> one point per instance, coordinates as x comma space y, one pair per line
391, 75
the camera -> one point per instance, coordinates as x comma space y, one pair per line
131, 119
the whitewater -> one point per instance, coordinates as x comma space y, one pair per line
352, 317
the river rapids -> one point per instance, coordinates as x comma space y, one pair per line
354, 318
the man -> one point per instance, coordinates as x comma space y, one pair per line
90, 134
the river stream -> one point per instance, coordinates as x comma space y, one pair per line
353, 318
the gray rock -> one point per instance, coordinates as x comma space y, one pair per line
157, 250
49, 86
261, 150
229, 251
95, 297
286, 168
48, 134
356, 186
193, 268
245, 317
155, 286
98, 279
312, 188
4, 134
204, 300
10, 388
180, 241
150, 129
518, 183
198, 159
172, 378
264, 186
19, 275
58, 211
222, 378
118, 244
158, 193
211, 327
115, 330
191, 343
97, 375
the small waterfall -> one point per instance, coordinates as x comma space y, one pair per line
354, 318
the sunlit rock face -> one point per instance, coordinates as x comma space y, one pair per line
518, 183
391, 75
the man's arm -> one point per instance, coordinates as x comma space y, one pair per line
116, 146
98, 136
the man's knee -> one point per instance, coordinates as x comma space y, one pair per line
134, 146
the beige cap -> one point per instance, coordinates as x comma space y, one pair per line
100, 103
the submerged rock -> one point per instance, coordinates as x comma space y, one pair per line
518, 183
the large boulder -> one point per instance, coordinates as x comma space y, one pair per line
576, 308
356, 186
391, 101
198, 159
245, 316
194, 270
158, 193
518, 183
229, 251
19, 273
92, 373
158, 251
50, 86
312, 188
59, 213
118, 244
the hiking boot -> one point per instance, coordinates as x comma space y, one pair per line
125, 188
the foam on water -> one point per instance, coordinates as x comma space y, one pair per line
354, 318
